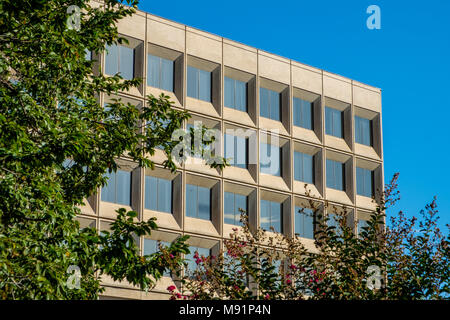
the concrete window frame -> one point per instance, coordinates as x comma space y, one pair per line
213, 107
178, 73
314, 189
377, 183
138, 47
346, 142
212, 227
347, 195
165, 220
373, 151
282, 182
284, 125
314, 135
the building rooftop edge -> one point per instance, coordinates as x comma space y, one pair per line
353, 81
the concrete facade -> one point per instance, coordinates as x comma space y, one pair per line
188, 46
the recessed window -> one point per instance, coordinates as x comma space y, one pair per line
158, 194
235, 149
364, 182
232, 203
118, 188
271, 215
269, 102
333, 122
270, 159
198, 84
303, 115
303, 167
335, 175
198, 202
304, 222
160, 73
235, 94
363, 131
151, 246
119, 59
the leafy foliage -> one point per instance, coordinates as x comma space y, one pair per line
412, 264
50, 113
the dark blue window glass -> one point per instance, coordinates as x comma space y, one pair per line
269, 104
158, 194
303, 167
160, 73
270, 159
234, 202
271, 215
118, 188
333, 122
303, 113
235, 149
198, 202
235, 94
335, 175
304, 222
120, 59
363, 131
199, 84
364, 182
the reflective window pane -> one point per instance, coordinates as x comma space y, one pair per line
240, 202
364, 182
335, 175
191, 200
333, 122
241, 96
192, 82
123, 187
264, 102
304, 222
109, 190
126, 62
112, 60
303, 167
204, 207
167, 74
204, 85
229, 93
151, 193
363, 131
240, 152
164, 195
265, 215
275, 214
229, 208
274, 106
153, 71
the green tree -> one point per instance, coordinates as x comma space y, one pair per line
385, 260
49, 112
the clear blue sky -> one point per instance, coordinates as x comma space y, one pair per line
409, 59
